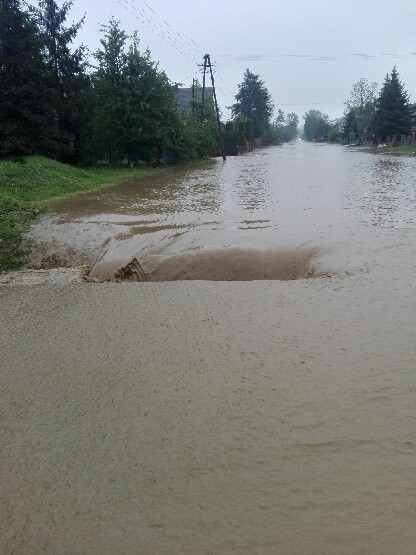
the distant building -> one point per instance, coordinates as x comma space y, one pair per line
184, 97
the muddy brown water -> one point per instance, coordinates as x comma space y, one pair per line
304, 199
221, 416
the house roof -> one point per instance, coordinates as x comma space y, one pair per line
184, 96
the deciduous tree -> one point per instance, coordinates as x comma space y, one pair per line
315, 126
360, 109
150, 111
291, 127
136, 116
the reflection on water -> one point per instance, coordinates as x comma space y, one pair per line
278, 185
252, 186
275, 198
386, 193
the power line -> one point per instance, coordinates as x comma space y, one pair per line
312, 103
315, 57
150, 23
158, 22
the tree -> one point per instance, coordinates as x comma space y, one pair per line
110, 92
236, 133
335, 131
360, 109
291, 127
69, 85
197, 138
151, 119
23, 95
279, 122
315, 126
136, 115
254, 103
350, 128
392, 114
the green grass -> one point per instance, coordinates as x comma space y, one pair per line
25, 189
405, 150
401, 149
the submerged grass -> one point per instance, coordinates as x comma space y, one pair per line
25, 189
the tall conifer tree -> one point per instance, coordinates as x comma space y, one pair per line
392, 116
110, 92
67, 79
24, 98
254, 103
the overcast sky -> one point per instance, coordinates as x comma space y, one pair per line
308, 52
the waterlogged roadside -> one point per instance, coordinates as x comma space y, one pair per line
161, 207
26, 189
15, 220
397, 150
319, 198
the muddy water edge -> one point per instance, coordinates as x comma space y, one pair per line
218, 417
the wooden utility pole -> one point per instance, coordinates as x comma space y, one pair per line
203, 87
193, 98
207, 64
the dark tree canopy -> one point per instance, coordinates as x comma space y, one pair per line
254, 103
109, 92
24, 96
392, 115
136, 116
67, 80
125, 111
350, 126
150, 111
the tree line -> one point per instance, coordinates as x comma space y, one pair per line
121, 107
369, 117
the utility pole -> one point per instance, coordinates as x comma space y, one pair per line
207, 64
203, 87
193, 98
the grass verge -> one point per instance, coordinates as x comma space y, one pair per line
25, 189
402, 150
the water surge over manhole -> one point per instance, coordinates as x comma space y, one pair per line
225, 265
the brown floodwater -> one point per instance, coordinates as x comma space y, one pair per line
316, 201
311, 199
266, 406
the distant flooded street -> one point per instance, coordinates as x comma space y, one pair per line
317, 198
240, 416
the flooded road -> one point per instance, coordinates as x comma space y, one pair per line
315, 198
306, 206
220, 417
